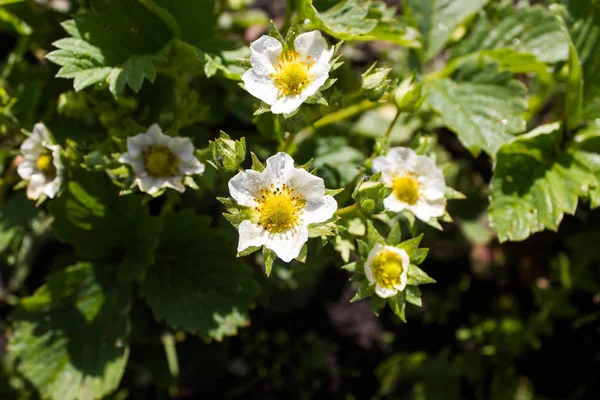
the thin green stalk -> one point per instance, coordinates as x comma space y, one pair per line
168, 342
392, 124
345, 210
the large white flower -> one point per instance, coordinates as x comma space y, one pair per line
285, 200
160, 161
41, 164
284, 80
387, 268
418, 185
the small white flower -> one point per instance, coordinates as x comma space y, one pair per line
160, 161
387, 268
41, 164
286, 80
285, 201
417, 182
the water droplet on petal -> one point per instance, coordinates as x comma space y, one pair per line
516, 42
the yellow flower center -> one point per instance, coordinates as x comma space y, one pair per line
45, 164
279, 209
406, 189
160, 162
387, 268
292, 75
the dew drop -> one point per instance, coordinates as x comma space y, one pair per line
306, 21
119, 343
442, 27
516, 42
504, 122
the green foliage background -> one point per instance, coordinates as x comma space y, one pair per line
108, 293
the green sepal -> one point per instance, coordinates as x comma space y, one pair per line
411, 245
416, 276
269, 258
227, 153
363, 249
274, 32
377, 303
395, 236
398, 305
333, 192
365, 289
413, 295
373, 235
248, 251
292, 33
256, 164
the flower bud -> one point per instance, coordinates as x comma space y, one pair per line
228, 153
408, 96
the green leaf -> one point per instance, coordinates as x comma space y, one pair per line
115, 43
346, 20
535, 182
481, 105
256, 164
90, 209
574, 101
413, 295
584, 26
70, 336
510, 34
416, 276
197, 21
437, 20
195, 285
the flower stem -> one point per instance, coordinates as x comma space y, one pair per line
346, 210
392, 124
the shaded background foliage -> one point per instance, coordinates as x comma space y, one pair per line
511, 320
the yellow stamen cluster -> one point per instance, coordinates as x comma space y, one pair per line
387, 268
279, 208
406, 189
45, 164
292, 75
160, 162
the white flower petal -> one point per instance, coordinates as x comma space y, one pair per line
311, 44
149, 184
40, 131
385, 292
182, 147
190, 167
51, 188
32, 148
279, 167
311, 187
36, 186
261, 87
245, 186
426, 209
393, 204
158, 137
251, 235
319, 211
27, 168
287, 245
316, 84
137, 144
264, 55
173, 182
288, 104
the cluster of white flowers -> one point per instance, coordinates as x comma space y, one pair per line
282, 200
